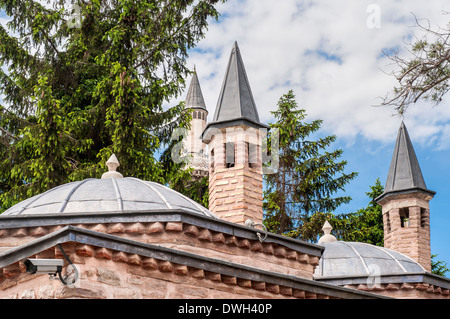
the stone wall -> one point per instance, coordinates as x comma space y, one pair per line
235, 191
413, 240
106, 273
187, 237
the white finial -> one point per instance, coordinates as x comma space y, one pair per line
112, 164
327, 228
327, 237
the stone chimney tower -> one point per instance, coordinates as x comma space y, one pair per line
235, 157
405, 204
194, 145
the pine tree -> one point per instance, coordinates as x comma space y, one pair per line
308, 175
77, 88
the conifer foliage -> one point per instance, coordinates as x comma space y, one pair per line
308, 177
364, 225
82, 80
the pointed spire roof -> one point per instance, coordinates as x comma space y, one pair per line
194, 97
236, 104
404, 174
236, 99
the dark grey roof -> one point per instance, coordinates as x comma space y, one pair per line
106, 195
194, 97
352, 259
404, 173
235, 99
236, 105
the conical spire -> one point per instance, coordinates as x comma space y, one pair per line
236, 99
194, 97
404, 173
236, 105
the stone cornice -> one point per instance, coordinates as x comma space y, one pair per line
231, 229
167, 260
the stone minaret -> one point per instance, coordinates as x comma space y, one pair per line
405, 204
234, 138
194, 145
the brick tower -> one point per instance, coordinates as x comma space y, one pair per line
405, 204
194, 145
235, 158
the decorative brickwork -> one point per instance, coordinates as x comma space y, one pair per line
406, 220
235, 174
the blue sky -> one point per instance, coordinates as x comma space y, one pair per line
330, 54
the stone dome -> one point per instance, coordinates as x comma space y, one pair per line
105, 196
354, 259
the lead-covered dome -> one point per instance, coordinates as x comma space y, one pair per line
106, 195
354, 259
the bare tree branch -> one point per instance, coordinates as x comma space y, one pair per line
426, 73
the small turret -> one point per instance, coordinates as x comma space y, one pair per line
235, 142
405, 204
195, 147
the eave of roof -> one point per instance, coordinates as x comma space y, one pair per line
174, 215
89, 237
420, 277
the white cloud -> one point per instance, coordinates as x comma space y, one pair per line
324, 51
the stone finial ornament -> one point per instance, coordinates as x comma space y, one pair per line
327, 237
112, 164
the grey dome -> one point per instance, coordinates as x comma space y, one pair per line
352, 259
106, 195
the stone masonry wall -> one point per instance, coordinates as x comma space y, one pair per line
106, 273
412, 240
235, 193
190, 238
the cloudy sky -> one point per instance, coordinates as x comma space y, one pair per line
330, 53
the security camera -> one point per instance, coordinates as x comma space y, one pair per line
44, 266
52, 267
